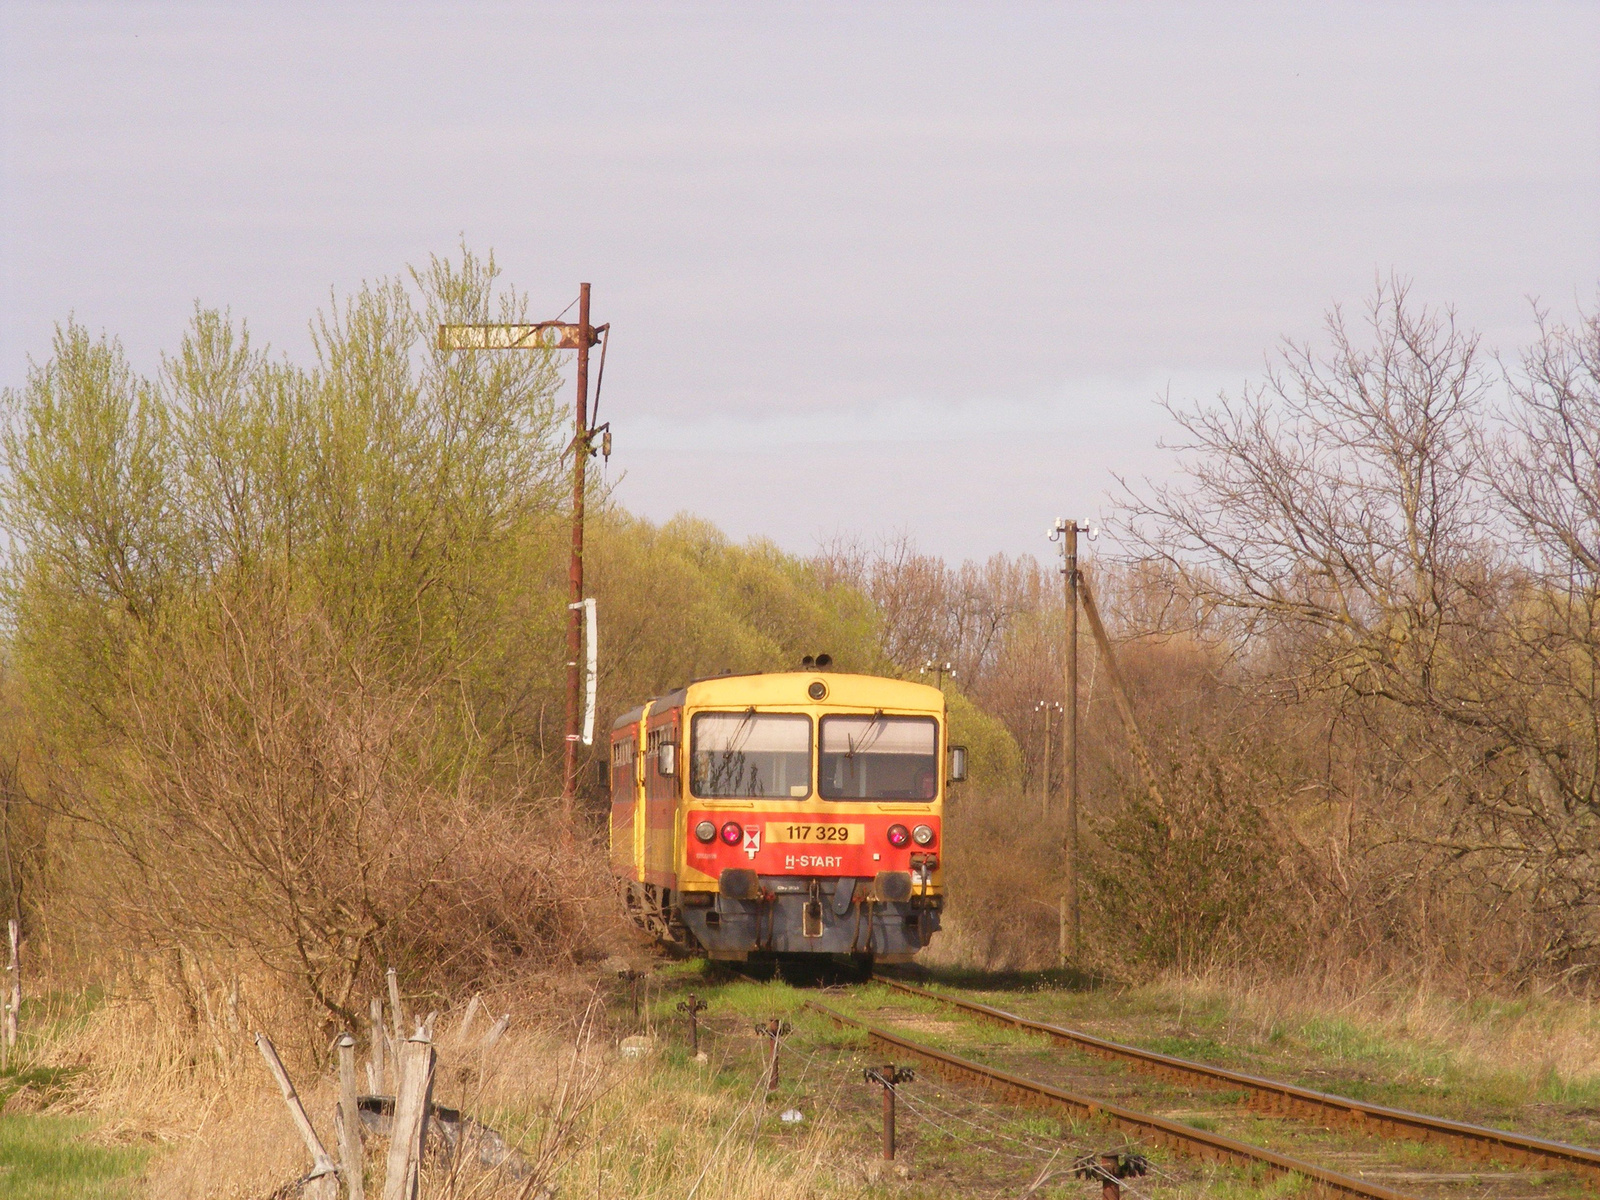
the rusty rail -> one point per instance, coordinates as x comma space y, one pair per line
1184, 1139
1287, 1099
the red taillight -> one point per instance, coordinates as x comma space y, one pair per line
899, 835
733, 833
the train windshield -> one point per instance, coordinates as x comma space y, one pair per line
879, 758
751, 755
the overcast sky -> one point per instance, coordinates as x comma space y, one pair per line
869, 268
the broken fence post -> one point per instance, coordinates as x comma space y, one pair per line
350, 1121
496, 1032
410, 1129
396, 1013
323, 1182
474, 1006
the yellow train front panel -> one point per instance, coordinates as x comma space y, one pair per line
805, 795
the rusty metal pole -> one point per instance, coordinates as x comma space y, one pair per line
888, 1113
1110, 1188
631, 977
888, 1077
694, 1006
1069, 933
775, 1032
580, 460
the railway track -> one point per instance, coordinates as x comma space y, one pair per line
1334, 1145
1290, 1100
1176, 1136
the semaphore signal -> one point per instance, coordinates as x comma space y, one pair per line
577, 335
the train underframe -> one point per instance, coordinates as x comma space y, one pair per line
789, 914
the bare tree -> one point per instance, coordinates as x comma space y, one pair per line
1339, 505
1545, 473
930, 610
1354, 518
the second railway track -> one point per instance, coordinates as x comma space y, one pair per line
1286, 1099
1175, 1135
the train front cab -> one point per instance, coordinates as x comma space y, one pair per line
792, 813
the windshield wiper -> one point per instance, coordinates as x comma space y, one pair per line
878, 728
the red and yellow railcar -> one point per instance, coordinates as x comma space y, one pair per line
799, 812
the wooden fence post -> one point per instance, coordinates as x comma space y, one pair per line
396, 1013
324, 1181
375, 1065
350, 1121
465, 1031
409, 1132
496, 1032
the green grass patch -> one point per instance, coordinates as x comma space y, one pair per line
44, 1157
1255, 1184
1056, 979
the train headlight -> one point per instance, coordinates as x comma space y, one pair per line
733, 833
922, 835
899, 835
706, 831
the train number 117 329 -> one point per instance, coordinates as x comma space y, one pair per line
833, 835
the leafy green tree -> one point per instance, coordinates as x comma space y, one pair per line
268, 621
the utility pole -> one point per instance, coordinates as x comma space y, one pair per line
1068, 939
1046, 707
546, 336
580, 460
938, 668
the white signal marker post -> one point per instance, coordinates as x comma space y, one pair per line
560, 335
591, 672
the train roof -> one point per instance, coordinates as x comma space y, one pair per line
784, 688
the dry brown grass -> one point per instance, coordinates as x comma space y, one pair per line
1003, 877
1543, 1037
555, 1087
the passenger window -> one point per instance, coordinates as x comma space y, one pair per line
751, 755
879, 758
